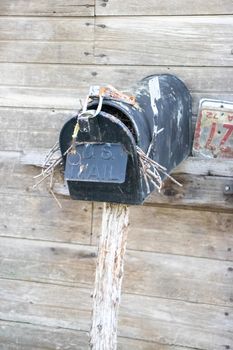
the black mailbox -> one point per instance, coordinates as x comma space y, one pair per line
103, 164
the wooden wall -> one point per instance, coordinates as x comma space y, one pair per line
178, 288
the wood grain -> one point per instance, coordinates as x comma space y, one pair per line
164, 40
28, 337
47, 8
46, 29
39, 217
120, 41
17, 335
50, 98
197, 79
191, 165
167, 7
191, 279
196, 233
195, 325
206, 192
154, 319
78, 52
176, 231
31, 128
199, 191
109, 274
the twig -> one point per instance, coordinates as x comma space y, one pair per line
57, 201
48, 169
151, 170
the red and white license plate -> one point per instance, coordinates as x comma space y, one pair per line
213, 136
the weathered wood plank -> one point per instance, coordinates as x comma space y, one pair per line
115, 44
198, 79
200, 192
164, 40
176, 231
40, 217
178, 315
167, 276
46, 29
197, 191
31, 128
164, 321
209, 167
36, 97
78, 52
47, 262
20, 336
47, 8
191, 165
28, 337
197, 233
167, 7
42, 97
37, 119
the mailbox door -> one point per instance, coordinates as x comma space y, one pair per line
108, 151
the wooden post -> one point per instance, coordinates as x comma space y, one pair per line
109, 275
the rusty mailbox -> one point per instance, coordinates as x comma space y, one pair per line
103, 163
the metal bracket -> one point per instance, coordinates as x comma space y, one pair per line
228, 189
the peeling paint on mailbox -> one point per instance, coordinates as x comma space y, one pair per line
103, 163
213, 136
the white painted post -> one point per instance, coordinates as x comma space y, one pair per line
109, 275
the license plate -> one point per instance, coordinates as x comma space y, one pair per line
97, 162
213, 136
